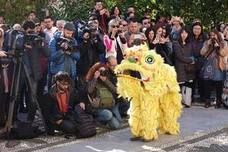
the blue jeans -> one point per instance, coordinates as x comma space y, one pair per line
105, 115
116, 112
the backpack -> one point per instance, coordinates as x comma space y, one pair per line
23, 130
105, 98
15, 40
85, 124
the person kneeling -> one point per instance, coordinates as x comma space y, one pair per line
62, 110
102, 104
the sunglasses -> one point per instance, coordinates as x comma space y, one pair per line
146, 23
115, 26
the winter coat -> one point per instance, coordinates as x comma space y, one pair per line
183, 59
89, 55
61, 61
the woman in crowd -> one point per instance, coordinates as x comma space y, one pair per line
101, 103
197, 40
115, 13
225, 33
214, 50
177, 24
150, 35
163, 46
115, 41
184, 65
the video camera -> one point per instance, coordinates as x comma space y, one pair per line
34, 39
65, 44
6, 60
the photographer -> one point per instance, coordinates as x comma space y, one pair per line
64, 53
214, 50
28, 46
89, 54
96, 36
115, 41
101, 97
102, 14
133, 35
163, 45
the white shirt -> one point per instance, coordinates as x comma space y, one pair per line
49, 33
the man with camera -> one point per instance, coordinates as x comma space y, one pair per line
23, 51
134, 36
64, 53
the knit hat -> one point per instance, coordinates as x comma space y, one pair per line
69, 26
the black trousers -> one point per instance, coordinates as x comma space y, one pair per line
4, 106
209, 86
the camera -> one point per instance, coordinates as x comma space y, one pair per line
65, 44
6, 60
213, 41
16, 40
103, 72
34, 39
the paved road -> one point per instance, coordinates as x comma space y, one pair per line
202, 130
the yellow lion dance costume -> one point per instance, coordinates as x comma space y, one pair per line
154, 93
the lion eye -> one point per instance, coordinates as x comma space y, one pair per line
149, 59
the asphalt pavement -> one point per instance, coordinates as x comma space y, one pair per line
202, 130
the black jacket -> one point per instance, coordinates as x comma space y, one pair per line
89, 55
183, 59
51, 109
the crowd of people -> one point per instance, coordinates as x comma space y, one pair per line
71, 64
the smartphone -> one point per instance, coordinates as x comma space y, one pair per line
138, 36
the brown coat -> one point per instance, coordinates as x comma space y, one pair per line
223, 52
1, 38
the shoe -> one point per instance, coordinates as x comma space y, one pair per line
186, 106
135, 138
147, 140
218, 105
207, 104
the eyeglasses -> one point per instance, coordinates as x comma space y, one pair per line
146, 23
124, 24
115, 26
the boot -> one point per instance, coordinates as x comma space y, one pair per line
218, 104
207, 104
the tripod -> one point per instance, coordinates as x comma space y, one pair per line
20, 69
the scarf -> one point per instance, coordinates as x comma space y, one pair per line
62, 99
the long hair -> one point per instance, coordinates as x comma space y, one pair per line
180, 38
220, 39
147, 33
113, 10
1, 38
93, 69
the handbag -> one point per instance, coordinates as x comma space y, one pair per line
207, 72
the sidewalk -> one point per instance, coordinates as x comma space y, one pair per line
195, 122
